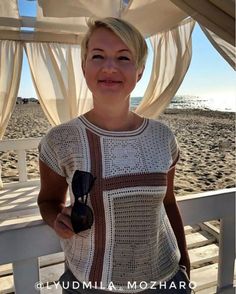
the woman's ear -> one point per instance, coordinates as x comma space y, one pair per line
140, 74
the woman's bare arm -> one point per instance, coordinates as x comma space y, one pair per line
52, 199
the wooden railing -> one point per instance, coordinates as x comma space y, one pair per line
23, 246
20, 146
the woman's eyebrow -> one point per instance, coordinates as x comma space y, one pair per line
97, 49
121, 50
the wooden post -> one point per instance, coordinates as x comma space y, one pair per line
22, 165
226, 255
26, 276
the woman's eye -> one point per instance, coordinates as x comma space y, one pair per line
97, 56
123, 58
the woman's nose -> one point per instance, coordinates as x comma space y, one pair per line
109, 65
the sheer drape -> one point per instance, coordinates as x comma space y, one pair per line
11, 54
172, 56
80, 8
226, 50
58, 79
152, 17
216, 15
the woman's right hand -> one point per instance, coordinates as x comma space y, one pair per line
62, 224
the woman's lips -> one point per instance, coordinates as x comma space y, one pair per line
109, 83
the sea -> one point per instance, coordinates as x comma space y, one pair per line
195, 102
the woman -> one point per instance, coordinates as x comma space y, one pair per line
128, 233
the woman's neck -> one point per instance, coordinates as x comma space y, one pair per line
114, 119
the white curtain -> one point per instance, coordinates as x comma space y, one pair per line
216, 15
152, 17
172, 56
78, 8
58, 80
11, 54
225, 49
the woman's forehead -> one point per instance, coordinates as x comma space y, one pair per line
103, 38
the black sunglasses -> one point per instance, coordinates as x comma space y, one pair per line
81, 215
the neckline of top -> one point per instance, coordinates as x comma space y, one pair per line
104, 132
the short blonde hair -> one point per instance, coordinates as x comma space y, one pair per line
125, 31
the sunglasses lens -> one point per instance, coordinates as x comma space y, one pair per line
82, 182
81, 217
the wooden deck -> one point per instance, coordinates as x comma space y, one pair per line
18, 209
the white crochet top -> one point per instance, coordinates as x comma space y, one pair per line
131, 240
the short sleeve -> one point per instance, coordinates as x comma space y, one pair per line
48, 153
174, 149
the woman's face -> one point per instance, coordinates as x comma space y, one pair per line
109, 69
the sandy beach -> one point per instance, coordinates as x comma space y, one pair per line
206, 140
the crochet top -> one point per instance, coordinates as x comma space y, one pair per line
131, 240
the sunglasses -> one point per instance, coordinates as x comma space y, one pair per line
81, 215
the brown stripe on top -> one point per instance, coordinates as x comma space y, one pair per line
135, 180
96, 195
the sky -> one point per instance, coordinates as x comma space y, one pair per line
209, 75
